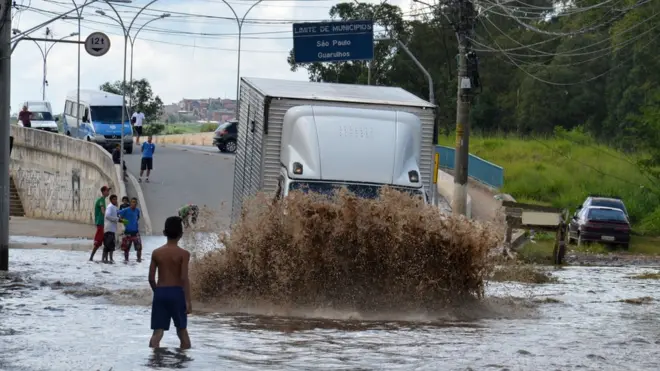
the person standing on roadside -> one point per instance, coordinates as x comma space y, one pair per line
99, 219
137, 120
132, 230
148, 149
110, 235
171, 301
116, 159
24, 117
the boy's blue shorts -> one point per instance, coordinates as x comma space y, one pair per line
169, 304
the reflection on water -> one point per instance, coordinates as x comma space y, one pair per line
168, 358
58, 312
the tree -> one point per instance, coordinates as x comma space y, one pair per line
142, 97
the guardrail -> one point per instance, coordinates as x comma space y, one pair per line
478, 168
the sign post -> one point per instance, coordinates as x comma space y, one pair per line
333, 41
436, 161
97, 44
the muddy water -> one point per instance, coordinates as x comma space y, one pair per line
60, 312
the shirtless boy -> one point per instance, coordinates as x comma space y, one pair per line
172, 291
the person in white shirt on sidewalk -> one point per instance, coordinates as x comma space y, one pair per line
110, 235
137, 121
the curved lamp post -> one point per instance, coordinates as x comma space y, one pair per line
79, 11
239, 22
44, 56
123, 88
132, 39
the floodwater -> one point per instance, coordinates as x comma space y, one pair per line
60, 312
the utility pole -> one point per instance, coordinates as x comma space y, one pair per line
464, 28
5, 101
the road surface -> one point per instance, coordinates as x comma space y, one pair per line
185, 175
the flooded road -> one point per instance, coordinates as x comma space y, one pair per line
60, 312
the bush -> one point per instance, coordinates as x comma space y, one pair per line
347, 253
153, 129
208, 128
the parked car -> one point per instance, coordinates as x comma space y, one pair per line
226, 136
602, 224
610, 201
42, 116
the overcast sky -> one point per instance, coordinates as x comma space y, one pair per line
176, 65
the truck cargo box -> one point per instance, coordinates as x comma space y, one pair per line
263, 104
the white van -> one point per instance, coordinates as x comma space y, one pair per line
42, 115
97, 118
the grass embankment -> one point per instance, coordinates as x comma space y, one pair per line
179, 128
562, 172
540, 251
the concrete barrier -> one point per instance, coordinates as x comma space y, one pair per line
446, 189
59, 177
193, 139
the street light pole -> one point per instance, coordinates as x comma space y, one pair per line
79, 10
132, 40
239, 22
44, 54
123, 88
429, 80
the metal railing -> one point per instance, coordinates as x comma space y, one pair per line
478, 168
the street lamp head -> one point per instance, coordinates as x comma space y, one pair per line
16, 31
73, 34
165, 15
101, 12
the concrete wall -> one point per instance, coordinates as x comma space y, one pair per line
446, 190
59, 177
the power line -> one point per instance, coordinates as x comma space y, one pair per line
185, 45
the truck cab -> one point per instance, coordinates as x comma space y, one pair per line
325, 148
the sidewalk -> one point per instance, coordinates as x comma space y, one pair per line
49, 228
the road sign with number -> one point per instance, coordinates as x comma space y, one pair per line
97, 44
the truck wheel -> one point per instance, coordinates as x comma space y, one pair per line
231, 146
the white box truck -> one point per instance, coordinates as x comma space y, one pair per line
320, 136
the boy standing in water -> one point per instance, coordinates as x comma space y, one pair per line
189, 213
132, 231
124, 203
171, 300
99, 219
110, 235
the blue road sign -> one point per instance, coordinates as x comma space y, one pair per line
333, 41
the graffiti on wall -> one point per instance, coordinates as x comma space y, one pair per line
54, 193
75, 189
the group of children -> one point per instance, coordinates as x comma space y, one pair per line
128, 214
107, 226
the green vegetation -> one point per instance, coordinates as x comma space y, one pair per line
647, 276
591, 73
540, 251
522, 273
158, 128
563, 170
141, 96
